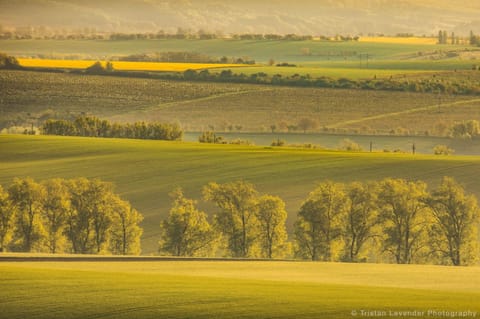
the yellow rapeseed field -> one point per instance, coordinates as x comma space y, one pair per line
121, 65
399, 40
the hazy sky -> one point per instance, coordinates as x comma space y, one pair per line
276, 16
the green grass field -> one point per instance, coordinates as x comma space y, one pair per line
183, 289
144, 172
262, 51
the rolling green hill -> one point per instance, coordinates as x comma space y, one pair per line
144, 172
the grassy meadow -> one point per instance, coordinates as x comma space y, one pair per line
261, 51
207, 289
144, 172
400, 40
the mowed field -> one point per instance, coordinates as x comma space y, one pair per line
197, 106
144, 172
227, 289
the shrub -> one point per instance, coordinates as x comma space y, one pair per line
350, 146
278, 142
442, 150
211, 137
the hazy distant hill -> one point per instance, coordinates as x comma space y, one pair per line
274, 16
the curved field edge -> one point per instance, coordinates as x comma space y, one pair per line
79, 290
144, 172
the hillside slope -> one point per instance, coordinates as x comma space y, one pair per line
144, 172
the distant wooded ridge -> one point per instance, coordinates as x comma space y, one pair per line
183, 34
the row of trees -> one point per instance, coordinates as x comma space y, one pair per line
465, 130
247, 224
94, 127
409, 223
183, 57
418, 85
444, 38
67, 216
393, 220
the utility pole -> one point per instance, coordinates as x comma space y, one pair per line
367, 56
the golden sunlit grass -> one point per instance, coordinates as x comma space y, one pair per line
228, 289
122, 65
399, 40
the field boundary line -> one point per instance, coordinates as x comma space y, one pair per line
415, 110
163, 106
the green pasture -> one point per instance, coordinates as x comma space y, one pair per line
396, 66
207, 289
261, 51
144, 172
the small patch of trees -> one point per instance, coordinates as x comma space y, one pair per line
393, 220
91, 126
442, 150
474, 39
454, 231
307, 124
9, 62
67, 216
99, 68
319, 223
184, 57
211, 137
246, 224
186, 231
466, 130
397, 218
350, 146
278, 142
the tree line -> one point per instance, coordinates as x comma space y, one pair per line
418, 85
431, 85
428, 85
246, 224
183, 57
79, 216
91, 126
393, 220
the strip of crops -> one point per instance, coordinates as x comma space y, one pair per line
122, 65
